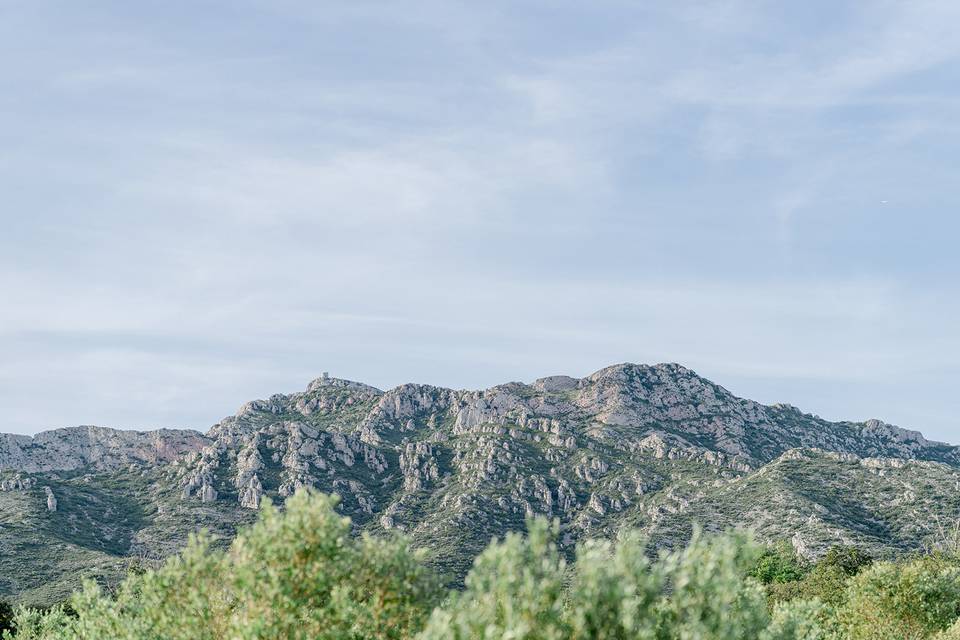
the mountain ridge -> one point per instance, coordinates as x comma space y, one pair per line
544, 384
653, 447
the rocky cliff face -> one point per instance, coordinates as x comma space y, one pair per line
94, 448
662, 412
654, 447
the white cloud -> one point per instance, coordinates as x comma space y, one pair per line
461, 194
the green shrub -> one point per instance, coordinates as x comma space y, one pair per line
847, 559
826, 580
952, 633
616, 593
34, 624
515, 590
779, 564
300, 573
799, 620
295, 574
891, 601
710, 598
6, 616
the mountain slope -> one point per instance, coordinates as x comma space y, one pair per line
654, 447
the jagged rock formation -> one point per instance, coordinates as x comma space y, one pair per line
418, 464
16, 483
653, 447
94, 448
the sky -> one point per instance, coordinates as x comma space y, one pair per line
206, 202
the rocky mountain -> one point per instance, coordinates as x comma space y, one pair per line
653, 447
96, 448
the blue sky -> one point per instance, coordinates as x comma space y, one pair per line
208, 202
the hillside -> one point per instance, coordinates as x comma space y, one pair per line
653, 447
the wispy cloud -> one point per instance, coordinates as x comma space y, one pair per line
200, 211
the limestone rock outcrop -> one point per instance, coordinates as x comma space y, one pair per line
418, 466
95, 447
16, 483
51, 499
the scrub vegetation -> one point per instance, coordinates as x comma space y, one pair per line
300, 573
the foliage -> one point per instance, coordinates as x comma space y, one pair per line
902, 601
826, 580
847, 559
800, 620
946, 536
296, 574
780, 563
301, 573
953, 633
515, 590
710, 597
38, 624
616, 592
6, 616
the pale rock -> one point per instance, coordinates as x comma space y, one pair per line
418, 466
251, 493
51, 499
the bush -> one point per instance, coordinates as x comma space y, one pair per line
779, 564
515, 591
825, 581
893, 601
296, 574
800, 620
847, 559
299, 573
36, 624
953, 633
614, 590
6, 616
710, 598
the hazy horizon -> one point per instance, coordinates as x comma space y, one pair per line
206, 203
